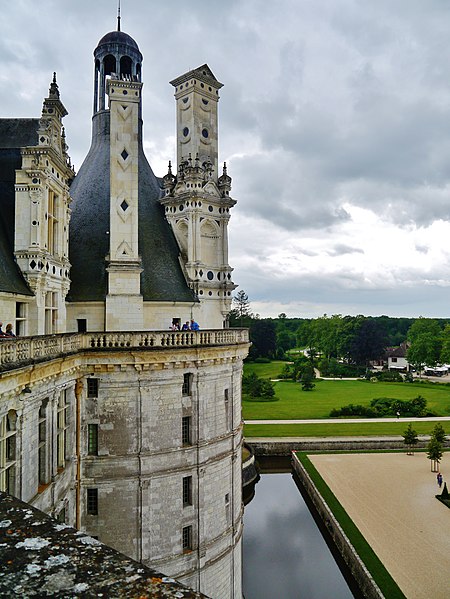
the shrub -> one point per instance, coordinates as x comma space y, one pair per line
389, 376
385, 406
287, 372
255, 386
353, 410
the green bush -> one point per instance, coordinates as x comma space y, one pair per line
385, 406
287, 372
332, 368
254, 386
353, 410
389, 376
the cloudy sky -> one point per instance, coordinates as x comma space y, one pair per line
334, 121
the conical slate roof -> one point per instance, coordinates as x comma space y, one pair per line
162, 278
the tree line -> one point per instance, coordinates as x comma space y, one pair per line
353, 340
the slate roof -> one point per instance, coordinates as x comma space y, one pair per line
118, 37
14, 134
162, 278
202, 73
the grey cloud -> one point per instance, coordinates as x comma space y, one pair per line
341, 249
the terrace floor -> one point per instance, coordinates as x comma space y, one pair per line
391, 499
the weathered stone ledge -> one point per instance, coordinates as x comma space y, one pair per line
41, 557
362, 576
284, 447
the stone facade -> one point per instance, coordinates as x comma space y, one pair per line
140, 447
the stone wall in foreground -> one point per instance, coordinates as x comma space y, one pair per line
358, 570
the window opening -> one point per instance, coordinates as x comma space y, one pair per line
92, 387
187, 491
8, 434
92, 502
187, 538
62, 430
92, 439
186, 430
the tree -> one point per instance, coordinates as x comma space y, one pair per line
445, 352
308, 376
255, 386
425, 336
241, 306
438, 433
368, 342
263, 338
434, 453
410, 439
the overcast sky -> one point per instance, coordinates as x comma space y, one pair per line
334, 122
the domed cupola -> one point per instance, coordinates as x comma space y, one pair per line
117, 56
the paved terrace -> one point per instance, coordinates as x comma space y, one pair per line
20, 351
391, 499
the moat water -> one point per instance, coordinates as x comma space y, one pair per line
285, 554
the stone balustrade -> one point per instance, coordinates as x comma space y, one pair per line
22, 350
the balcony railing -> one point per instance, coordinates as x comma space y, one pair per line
22, 350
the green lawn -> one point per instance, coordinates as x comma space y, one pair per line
297, 404
271, 370
337, 430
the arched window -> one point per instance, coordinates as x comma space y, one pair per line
109, 64
125, 66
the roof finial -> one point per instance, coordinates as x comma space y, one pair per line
118, 17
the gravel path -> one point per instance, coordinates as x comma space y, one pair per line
390, 497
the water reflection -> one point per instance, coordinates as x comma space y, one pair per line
285, 555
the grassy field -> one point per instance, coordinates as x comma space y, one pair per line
337, 430
265, 371
297, 404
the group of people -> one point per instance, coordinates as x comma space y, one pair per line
8, 332
187, 326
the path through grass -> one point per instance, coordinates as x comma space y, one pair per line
337, 430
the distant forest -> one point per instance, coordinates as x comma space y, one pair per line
355, 339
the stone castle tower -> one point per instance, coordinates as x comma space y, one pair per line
114, 423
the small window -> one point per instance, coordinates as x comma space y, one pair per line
92, 387
21, 318
92, 502
394, 359
187, 491
227, 409
187, 384
186, 430
81, 325
187, 538
92, 439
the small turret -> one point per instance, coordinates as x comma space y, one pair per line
224, 182
169, 181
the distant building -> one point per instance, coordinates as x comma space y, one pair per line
111, 418
396, 358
